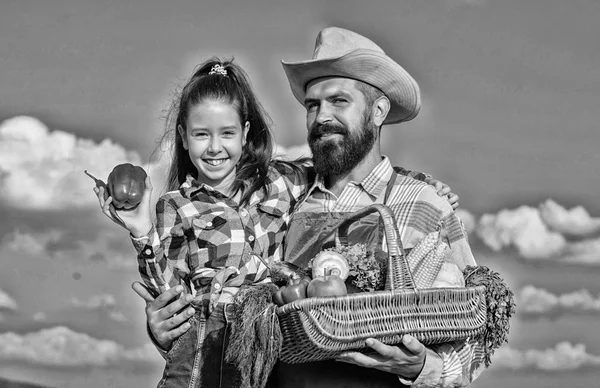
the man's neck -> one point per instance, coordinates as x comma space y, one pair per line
337, 183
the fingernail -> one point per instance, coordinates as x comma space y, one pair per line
191, 311
179, 288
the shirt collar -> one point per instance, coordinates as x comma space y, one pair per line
373, 184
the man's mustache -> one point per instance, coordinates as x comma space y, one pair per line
326, 129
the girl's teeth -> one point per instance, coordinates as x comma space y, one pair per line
214, 162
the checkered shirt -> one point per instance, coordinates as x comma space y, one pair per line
418, 210
204, 240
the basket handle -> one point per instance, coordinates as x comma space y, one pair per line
398, 274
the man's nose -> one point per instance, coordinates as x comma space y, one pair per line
324, 115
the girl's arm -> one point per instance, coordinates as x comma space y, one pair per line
163, 252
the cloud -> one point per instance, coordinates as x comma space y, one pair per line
111, 246
468, 219
95, 302
574, 222
529, 231
536, 301
293, 152
63, 347
43, 169
563, 357
7, 302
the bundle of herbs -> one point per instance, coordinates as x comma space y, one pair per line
500, 307
255, 342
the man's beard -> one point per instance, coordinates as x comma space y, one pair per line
338, 156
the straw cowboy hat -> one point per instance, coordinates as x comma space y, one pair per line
343, 53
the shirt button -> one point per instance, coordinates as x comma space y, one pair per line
148, 251
250, 238
209, 223
244, 213
217, 286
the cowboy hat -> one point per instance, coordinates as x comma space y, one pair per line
343, 53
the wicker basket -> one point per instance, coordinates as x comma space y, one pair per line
320, 328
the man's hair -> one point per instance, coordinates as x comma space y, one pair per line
370, 92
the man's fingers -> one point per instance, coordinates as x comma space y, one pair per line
356, 358
143, 291
412, 344
175, 307
179, 319
381, 348
164, 298
444, 190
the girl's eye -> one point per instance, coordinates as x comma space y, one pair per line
201, 135
229, 134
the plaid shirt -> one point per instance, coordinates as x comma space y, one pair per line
418, 210
204, 238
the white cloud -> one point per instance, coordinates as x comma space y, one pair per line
43, 169
6, 301
35, 245
527, 230
522, 228
60, 346
39, 316
533, 300
101, 301
575, 222
293, 152
563, 357
468, 219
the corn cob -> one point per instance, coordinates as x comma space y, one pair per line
418, 253
431, 265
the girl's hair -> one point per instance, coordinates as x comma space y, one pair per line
233, 88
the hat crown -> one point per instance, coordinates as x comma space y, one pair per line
334, 41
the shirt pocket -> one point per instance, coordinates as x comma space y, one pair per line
208, 233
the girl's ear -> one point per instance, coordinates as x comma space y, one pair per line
183, 138
245, 132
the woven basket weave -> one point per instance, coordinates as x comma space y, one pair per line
320, 328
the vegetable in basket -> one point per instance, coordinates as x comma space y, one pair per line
295, 290
326, 285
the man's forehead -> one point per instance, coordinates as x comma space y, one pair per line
330, 85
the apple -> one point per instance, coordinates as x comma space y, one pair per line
326, 285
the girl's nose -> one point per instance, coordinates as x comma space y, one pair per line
215, 145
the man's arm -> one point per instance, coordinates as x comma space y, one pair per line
442, 189
454, 364
164, 316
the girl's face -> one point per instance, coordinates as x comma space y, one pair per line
215, 139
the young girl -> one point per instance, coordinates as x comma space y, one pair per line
223, 220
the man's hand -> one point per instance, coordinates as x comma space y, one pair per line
164, 316
443, 190
406, 359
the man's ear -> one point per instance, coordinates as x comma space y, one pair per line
381, 108
245, 132
183, 137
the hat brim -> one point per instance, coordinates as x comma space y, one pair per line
371, 67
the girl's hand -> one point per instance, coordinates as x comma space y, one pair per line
137, 221
443, 190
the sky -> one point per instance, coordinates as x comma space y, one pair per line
509, 120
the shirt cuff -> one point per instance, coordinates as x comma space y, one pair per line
162, 351
430, 374
140, 243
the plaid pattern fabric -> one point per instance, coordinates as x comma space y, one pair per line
418, 210
203, 235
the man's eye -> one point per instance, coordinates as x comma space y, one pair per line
311, 106
339, 101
